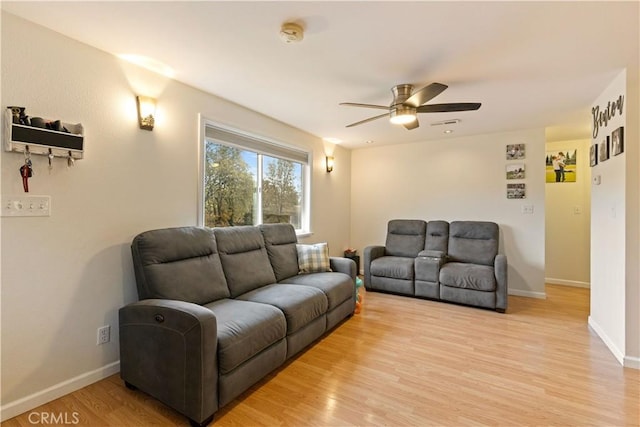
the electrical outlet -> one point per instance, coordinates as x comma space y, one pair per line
104, 334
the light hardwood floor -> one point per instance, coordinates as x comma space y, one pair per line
411, 362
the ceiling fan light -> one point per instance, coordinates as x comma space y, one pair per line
402, 117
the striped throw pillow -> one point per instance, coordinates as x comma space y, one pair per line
313, 258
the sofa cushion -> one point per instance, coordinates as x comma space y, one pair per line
405, 237
337, 287
280, 240
473, 241
244, 258
313, 258
393, 266
180, 263
244, 330
300, 304
468, 276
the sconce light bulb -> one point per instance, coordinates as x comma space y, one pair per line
330, 162
146, 112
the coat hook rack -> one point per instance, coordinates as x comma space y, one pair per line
62, 140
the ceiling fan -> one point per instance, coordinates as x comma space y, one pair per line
407, 103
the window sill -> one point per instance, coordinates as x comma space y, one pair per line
303, 234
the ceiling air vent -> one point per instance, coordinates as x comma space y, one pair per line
446, 122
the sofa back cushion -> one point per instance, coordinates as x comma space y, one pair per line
244, 258
405, 237
473, 242
178, 263
437, 236
280, 240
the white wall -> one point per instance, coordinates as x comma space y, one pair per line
568, 221
65, 275
455, 179
632, 229
609, 247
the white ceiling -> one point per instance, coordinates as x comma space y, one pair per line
531, 64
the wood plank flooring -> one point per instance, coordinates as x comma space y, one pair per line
411, 362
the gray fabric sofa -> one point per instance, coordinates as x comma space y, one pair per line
221, 308
456, 262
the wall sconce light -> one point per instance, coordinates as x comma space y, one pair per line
329, 163
146, 112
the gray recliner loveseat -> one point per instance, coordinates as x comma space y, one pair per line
457, 262
221, 308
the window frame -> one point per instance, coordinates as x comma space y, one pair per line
277, 147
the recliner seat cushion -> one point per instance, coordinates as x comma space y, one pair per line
393, 266
337, 287
245, 329
300, 304
468, 276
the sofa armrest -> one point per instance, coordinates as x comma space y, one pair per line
343, 265
370, 254
432, 254
168, 349
500, 269
427, 265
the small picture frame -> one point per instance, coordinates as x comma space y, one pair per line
515, 152
593, 155
515, 171
617, 141
516, 191
603, 150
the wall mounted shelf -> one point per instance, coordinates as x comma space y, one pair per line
22, 138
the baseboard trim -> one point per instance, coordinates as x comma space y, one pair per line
632, 362
563, 282
528, 294
34, 400
619, 355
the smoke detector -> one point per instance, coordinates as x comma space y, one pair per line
291, 33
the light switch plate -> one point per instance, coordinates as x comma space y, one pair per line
527, 209
26, 205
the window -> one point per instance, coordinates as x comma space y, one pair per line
249, 180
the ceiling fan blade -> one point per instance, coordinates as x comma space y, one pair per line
367, 120
355, 104
425, 94
445, 108
412, 125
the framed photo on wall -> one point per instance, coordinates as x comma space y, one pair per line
603, 149
516, 191
593, 155
515, 171
617, 141
561, 166
515, 151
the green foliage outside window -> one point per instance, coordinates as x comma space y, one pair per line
232, 187
229, 187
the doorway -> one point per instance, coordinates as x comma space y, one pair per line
568, 213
